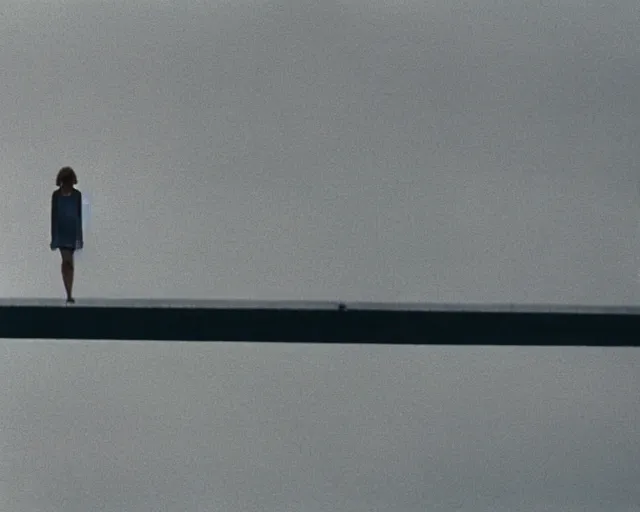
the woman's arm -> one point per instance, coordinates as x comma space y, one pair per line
80, 235
54, 215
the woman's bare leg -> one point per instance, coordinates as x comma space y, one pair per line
67, 272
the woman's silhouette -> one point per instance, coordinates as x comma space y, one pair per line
66, 224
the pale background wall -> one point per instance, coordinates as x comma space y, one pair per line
314, 149
431, 151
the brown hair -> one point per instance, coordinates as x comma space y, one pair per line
66, 176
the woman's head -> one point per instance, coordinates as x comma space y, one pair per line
66, 177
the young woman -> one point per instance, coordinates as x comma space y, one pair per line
66, 224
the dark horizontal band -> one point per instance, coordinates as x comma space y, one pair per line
321, 322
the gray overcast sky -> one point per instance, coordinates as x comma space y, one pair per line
297, 149
438, 151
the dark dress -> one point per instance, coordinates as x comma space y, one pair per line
66, 220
